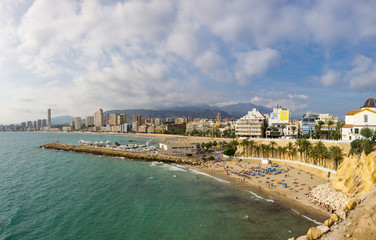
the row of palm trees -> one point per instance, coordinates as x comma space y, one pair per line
317, 153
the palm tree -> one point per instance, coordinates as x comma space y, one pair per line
293, 128
330, 123
321, 151
257, 149
272, 144
284, 151
299, 145
319, 123
251, 144
283, 127
336, 153
280, 151
290, 149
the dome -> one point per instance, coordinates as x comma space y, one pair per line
369, 103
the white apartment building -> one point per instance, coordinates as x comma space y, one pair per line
249, 126
355, 120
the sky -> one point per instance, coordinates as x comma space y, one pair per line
78, 56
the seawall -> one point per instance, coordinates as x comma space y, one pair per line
119, 153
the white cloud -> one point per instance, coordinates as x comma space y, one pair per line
363, 76
330, 78
297, 103
213, 65
253, 63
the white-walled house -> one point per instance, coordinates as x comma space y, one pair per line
355, 120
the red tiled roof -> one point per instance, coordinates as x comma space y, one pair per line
352, 112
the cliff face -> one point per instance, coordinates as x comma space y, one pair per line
356, 175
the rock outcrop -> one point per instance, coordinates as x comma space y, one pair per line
356, 175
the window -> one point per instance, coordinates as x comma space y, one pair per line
365, 118
356, 130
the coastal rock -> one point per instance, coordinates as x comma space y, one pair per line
351, 204
356, 175
314, 233
305, 237
324, 229
334, 217
329, 222
342, 214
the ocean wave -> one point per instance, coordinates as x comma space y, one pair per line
192, 170
310, 219
169, 167
257, 196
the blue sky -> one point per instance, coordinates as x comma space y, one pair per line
78, 56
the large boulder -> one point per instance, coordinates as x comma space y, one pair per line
305, 237
324, 229
334, 217
351, 204
314, 233
342, 214
329, 222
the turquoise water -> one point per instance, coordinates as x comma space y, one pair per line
48, 194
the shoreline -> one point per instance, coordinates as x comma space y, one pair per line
310, 211
279, 195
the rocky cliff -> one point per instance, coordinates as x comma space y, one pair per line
356, 175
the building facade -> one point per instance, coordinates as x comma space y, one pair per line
250, 125
356, 120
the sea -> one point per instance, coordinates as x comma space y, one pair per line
49, 194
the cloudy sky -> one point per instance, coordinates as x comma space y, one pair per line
78, 56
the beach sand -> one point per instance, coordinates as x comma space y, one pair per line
294, 195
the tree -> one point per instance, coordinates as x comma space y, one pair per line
367, 132
198, 146
321, 151
283, 126
291, 150
336, 153
262, 128
293, 128
251, 144
361, 145
272, 145
330, 123
229, 152
299, 145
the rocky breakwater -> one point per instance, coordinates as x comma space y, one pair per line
118, 153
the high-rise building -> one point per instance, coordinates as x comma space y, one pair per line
77, 123
49, 118
44, 122
98, 118
39, 124
139, 119
112, 119
219, 117
89, 121
134, 117
121, 119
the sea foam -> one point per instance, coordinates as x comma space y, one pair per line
310, 219
192, 170
257, 196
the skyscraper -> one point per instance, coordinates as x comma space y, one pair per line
49, 118
99, 118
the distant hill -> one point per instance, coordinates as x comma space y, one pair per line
206, 113
240, 109
61, 120
200, 111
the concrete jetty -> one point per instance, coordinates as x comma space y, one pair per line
150, 157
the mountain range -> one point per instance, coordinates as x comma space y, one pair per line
200, 111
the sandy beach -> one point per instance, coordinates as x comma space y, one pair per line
290, 187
